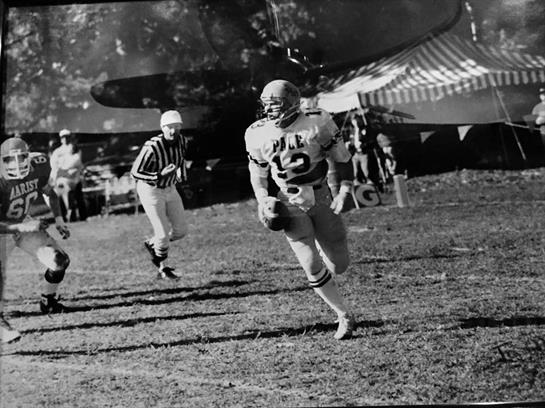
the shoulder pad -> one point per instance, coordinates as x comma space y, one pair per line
258, 123
255, 129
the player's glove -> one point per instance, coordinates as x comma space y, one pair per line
339, 202
62, 228
273, 213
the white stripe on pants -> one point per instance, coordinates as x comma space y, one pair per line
165, 210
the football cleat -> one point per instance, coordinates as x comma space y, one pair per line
49, 304
167, 273
346, 327
8, 333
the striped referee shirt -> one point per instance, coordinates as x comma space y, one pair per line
155, 155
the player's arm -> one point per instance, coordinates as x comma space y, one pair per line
331, 141
8, 228
259, 173
27, 226
271, 212
345, 174
259, 168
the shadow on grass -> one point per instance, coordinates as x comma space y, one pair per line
162, 291
250, 335
112, 293
127, 322
374, 260
152, 301
474, 322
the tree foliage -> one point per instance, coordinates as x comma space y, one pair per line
512, 24
55, 54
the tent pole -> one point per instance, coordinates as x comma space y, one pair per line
504, 109
495, 89
505, 164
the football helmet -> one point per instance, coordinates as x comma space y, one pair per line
281, 100
14, 159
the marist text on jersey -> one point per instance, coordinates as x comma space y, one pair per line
25, 187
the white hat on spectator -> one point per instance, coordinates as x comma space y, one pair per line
170, 117
64, 133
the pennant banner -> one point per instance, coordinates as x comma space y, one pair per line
462, 131
425, 135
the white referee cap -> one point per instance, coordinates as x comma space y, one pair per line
64, 133
170, 117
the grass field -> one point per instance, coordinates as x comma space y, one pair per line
449, 296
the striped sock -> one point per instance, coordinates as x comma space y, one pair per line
161, 253
324, 285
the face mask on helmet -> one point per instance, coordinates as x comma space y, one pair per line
14, 159
280, 100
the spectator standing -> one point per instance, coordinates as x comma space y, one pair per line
386, 145
67, 172
364, 159
539, 112
157, 169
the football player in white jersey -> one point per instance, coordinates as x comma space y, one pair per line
292, 145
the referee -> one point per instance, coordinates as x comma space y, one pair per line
157, 169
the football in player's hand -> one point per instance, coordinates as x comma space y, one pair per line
274, 214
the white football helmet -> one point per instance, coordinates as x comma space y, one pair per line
281, 100
14, 159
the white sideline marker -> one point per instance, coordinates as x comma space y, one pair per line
400, 187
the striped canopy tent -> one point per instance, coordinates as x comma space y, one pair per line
444, 79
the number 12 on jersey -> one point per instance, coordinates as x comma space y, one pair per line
298, 162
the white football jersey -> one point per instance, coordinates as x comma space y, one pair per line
296, 155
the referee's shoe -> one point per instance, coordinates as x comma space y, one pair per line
165, 272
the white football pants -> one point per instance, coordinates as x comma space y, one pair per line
317, 235
165, 211
39, 244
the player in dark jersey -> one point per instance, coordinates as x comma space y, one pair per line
22, 178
